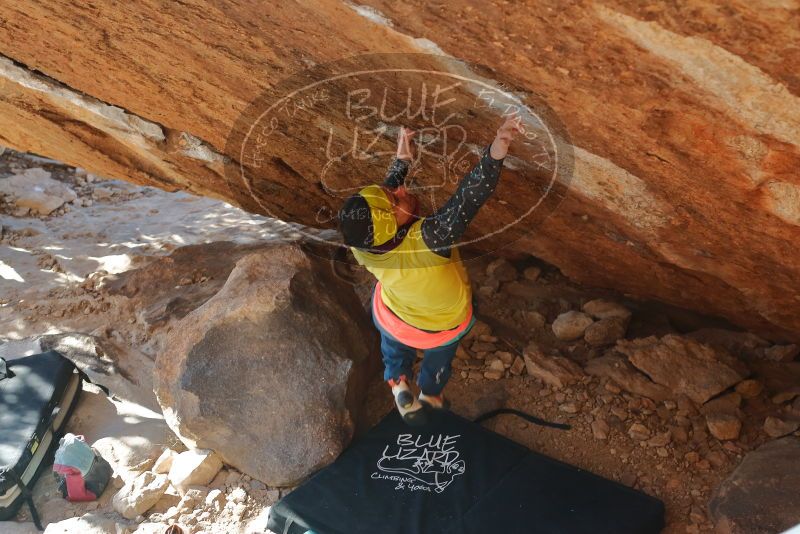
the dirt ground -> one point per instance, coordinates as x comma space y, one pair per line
55, 278
671, 473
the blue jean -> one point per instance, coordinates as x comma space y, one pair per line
398, 359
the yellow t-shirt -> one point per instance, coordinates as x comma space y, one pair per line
421, 287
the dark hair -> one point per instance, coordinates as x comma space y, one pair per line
355, 222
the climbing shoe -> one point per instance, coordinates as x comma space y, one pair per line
409, 407
434, 402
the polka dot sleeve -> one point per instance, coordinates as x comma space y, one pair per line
396, 175
442, 229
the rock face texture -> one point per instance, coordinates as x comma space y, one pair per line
270, 371
679, 124
754, 498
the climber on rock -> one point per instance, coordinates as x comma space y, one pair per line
422, 299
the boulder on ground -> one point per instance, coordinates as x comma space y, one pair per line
35, 190
163, 463
626, 376
270, 371
606, 331
196, 467
776, 427
724, 426
140, 494
571, 325
606, 309
750, 388
761, 495
684, 365
555, 371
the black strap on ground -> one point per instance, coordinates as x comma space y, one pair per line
28, 496
528, 417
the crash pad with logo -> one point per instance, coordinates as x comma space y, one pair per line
455, 476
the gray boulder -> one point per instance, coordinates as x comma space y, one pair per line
761, 495
271, 371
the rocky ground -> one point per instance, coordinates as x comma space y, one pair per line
65, 235
559, 351
659, 399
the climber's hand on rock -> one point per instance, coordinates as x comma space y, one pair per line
405, 148
505, 134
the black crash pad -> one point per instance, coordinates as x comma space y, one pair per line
454, 476
27, 400
37, 394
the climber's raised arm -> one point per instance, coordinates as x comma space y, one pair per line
443, 228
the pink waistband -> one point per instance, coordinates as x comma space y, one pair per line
411, 335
